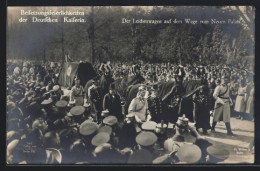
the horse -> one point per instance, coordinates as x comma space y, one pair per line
168, 90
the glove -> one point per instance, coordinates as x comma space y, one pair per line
219, 100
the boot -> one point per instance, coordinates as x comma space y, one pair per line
213, 126
205, 132
229, 132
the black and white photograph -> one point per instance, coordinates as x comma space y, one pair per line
130, 85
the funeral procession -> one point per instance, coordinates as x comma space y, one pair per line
106, 92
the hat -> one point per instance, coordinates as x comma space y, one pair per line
110, 120
161, 125
106, 129
105, 113
182, 122
149, 125
103, 147
217, 153
141, 156
88, 127
47, 102
61, 103
189, 153
112, 87
146, 138
56, 87
100, 138
77, 110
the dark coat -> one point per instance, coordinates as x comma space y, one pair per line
96, 96
105, 82
202, 115
113, 105
155, 106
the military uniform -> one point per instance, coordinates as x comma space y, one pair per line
77, 93
155, 106
222, 106
96, 96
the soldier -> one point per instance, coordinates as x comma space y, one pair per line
38, 81
186, 134
47, 78
56, 93
96, 97
139, 106
78, 93
106, 79
112, 103
155, 105
222, 105
145, 141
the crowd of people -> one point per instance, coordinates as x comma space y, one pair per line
45, 125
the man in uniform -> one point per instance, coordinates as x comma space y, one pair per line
155, 105
106, 78
186, 134
78, 93
96, 97
222, 105
139, 105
